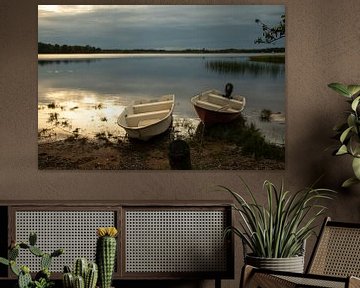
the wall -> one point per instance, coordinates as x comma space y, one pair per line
322, 46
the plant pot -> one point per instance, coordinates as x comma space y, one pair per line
291, 264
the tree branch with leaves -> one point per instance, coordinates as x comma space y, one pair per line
271, 34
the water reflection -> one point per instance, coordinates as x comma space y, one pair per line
245, 67
65, 61
76, 86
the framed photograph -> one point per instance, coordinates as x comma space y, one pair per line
161, 87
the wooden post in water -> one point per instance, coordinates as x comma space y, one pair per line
179, 155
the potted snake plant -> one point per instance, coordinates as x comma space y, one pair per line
274, 235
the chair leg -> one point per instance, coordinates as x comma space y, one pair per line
217, 283
246, 274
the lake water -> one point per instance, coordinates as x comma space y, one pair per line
90, 91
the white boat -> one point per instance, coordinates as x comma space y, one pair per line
145, 119
212, 107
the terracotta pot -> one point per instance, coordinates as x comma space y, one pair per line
291, 264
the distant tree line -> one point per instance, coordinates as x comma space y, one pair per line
196, 51
46, 48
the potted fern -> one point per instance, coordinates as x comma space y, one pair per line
349, 132
275, 234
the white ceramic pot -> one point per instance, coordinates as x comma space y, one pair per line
291, 264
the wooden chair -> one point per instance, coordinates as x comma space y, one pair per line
335, 262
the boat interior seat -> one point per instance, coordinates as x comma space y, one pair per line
133, 120
143, 123
221, 100
152, 106
215, 107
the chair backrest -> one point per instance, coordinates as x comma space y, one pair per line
337, 251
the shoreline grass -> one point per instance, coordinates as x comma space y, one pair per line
247, 137
268, 58
242, 67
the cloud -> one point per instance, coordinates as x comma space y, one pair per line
155, 26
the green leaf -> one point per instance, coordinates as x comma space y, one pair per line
14, 268
4, 261
356, 167
355, 103
349, 182
353, 89
351, 120
345, 134
355, 145
342, 150
340, 88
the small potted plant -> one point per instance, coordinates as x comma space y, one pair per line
276, 233
84, 274
106, 254
349, 132
42, 278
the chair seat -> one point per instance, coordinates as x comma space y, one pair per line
267, 279
335, 262
315, 281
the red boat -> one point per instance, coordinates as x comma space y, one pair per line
212, 107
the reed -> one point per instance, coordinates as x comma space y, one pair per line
268, 58
244, 67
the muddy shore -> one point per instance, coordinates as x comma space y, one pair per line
102, 154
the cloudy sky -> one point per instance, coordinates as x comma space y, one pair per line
156, 26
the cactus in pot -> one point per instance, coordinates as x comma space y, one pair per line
91, 276
85, 275
42, 278
80, 268
25, 279
68, 278
106, 254
79, 282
